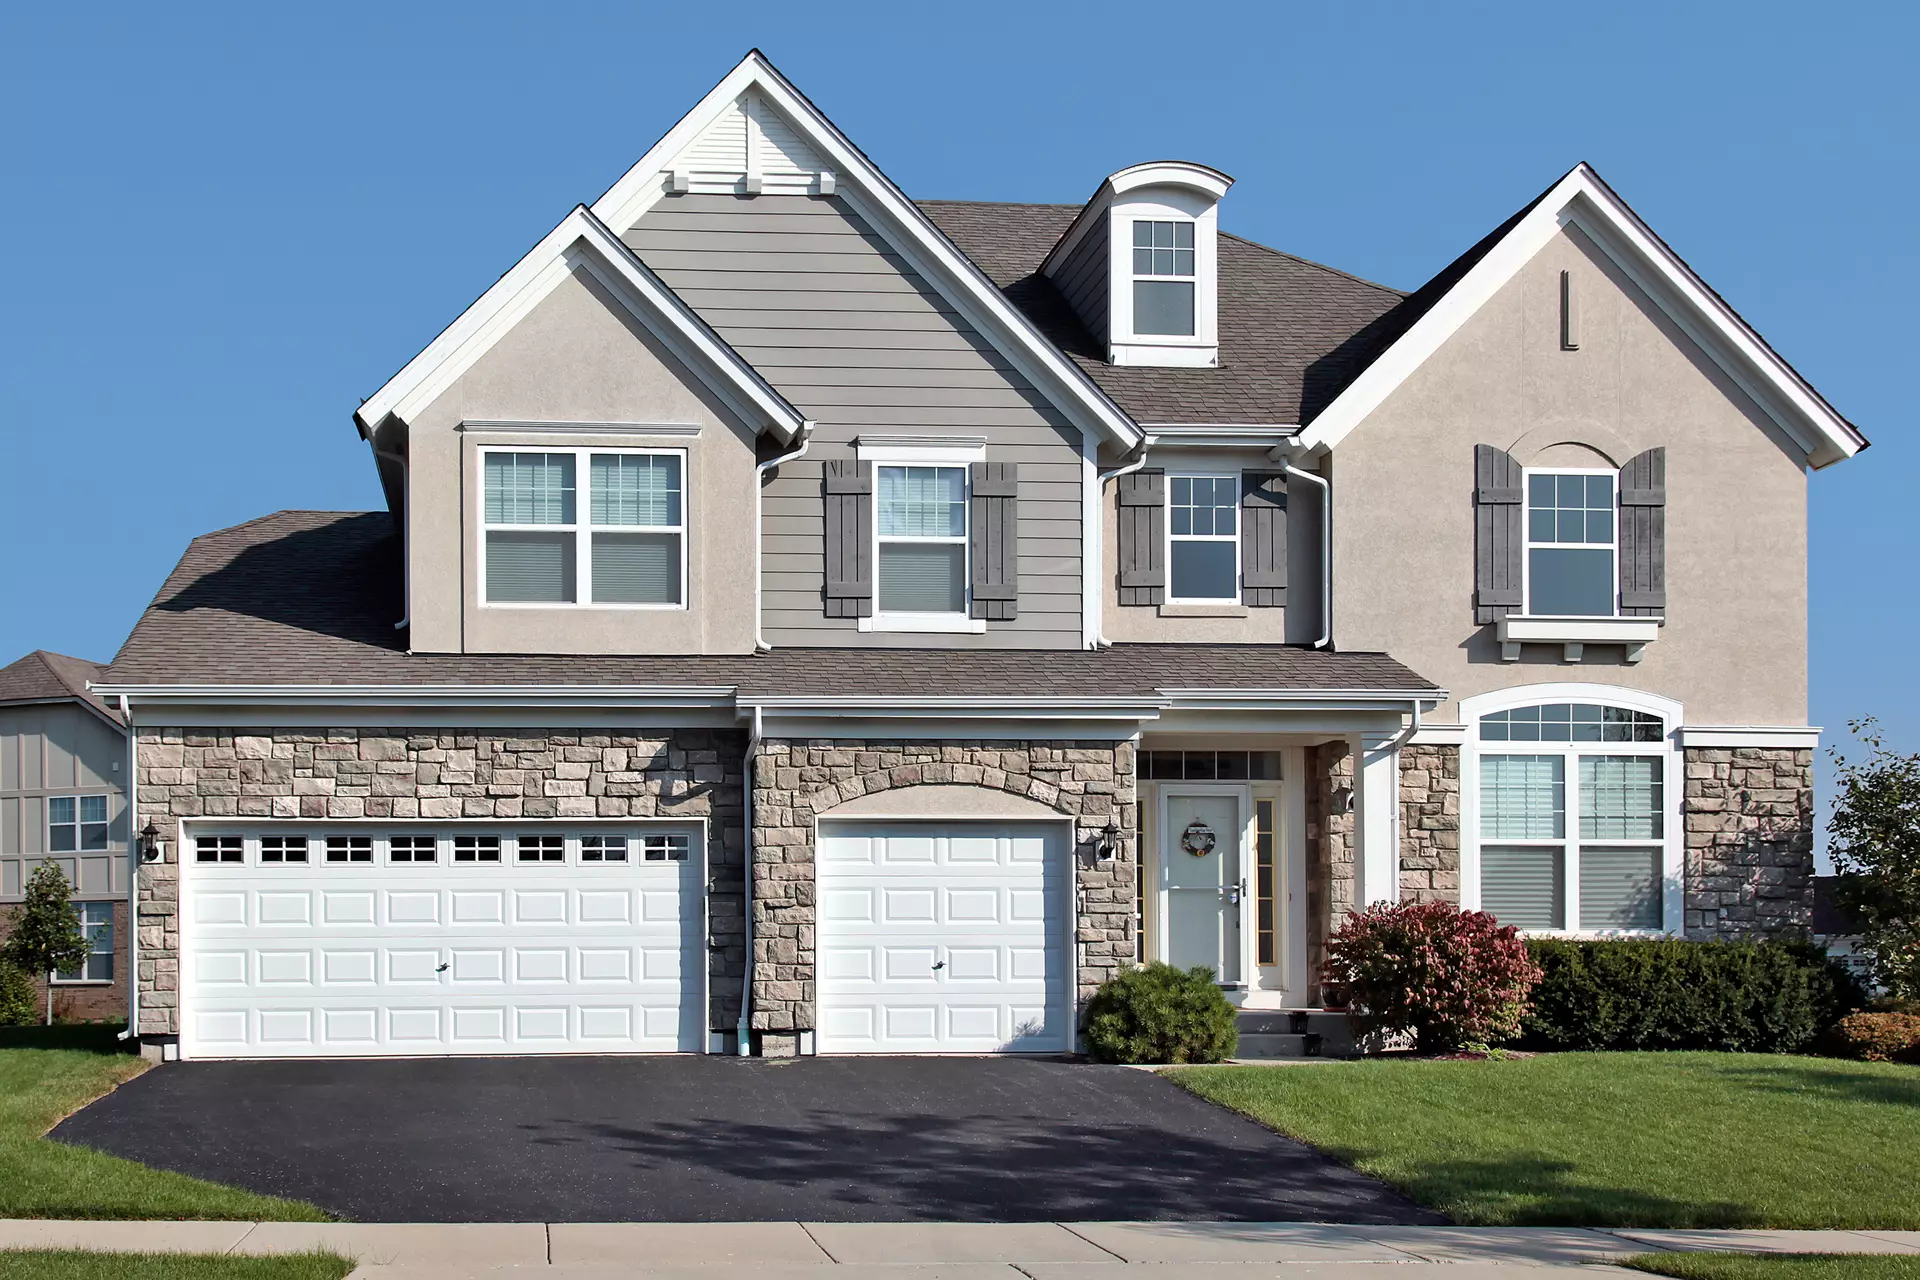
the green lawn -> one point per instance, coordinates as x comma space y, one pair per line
75, 1264
1779, 1266
1610, 1139
46, 1074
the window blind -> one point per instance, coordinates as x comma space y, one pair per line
1523, 797
529, 488
530, 568
636, 568
636, 489
923, 577
1523, 887
1619, 888
1620, 797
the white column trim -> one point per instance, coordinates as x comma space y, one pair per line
1376, 810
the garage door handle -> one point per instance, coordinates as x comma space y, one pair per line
443, 968
940, 964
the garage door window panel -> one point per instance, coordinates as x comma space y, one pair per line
349, 850
603, 849
229, 850
476, 850
411, 849
540, 848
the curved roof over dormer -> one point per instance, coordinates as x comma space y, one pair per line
1204, 179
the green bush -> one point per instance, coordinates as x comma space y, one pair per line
1446, 977
1161, 1014
1875, 1037
19, 1002
1738, 997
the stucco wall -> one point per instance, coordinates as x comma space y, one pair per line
397, 773
1734, 647
578, 356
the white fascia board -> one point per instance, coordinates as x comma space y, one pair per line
872, 195
1583, 200
1804, 737
581, 241
1316, 699
289, 695
1439, 735
870, 708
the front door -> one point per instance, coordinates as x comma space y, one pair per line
1202, 832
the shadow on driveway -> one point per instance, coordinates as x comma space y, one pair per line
683, 1139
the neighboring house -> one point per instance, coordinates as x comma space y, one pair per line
1016, 590
1839, 933
63, 798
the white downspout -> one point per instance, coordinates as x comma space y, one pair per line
1326, 547
1147, 443
743, 1030
133, 875
759, 539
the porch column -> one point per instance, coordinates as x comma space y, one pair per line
1376, 811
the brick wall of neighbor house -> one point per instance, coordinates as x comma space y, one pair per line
1330, 852
91, 1001
795, 781
1749, 830
394, 773
1429, 823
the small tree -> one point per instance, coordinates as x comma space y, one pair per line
46, 935
1448, 978
1874, 837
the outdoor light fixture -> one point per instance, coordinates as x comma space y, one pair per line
150, 843
1107, 847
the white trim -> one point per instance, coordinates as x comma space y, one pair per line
662, 429
950, 458
1673, 783
925, 623
1093, 550
1515, 629
628, 697
1802, 737
1238, 489
1201, 435
864, 188
1438, 735
1612, 545
1582, 199
870, 444
580, 241
583, 529
950, 451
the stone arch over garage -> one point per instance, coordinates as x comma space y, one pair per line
794, 782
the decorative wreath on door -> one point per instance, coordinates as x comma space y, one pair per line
1198, 839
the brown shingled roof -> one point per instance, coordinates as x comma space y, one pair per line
310, 598
1293, 333
43, 676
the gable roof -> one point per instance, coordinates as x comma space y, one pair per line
1287, 326
43, 676
1431, 314
305, 600
873, 195
581, 241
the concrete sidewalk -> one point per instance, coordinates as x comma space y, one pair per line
935, 1251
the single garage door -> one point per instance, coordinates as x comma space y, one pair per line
944, 937
339, 940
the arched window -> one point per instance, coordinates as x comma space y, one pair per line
1572, 814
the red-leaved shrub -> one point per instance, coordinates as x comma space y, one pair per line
1448, 978
1876, 1037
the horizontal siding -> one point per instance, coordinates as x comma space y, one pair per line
831, 315
1082, 279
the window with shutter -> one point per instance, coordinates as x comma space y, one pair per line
1263, 539
1141, 537
994, 525
1643, 535
1497, 534
848, 488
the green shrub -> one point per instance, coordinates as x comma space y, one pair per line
1875, 1037
1448, 978
1161, 1014
19, 1002
1738, 997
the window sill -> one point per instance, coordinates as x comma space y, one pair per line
931, 623
83, 982
1574, 634
1203, 611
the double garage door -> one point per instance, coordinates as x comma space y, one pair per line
944, 937
353, 940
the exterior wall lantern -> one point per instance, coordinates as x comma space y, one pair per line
149, 843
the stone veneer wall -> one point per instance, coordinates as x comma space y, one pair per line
796, 781
1430, 823
397, 773
1330, 852
1749, 833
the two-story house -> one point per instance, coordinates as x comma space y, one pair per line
808, 620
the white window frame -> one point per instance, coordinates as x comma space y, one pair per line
1672, 841
962, 456
1239, 515
1134, 275
91, 929
1527, 543
79, 824
582, 527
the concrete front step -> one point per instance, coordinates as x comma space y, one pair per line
1294, 1033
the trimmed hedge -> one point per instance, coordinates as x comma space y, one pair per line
1159, 1013
1737, 997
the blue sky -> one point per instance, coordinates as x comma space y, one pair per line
232, 222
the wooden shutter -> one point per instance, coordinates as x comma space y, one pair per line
1498, 541
1643, 535
993, 523
849, 498
1263, 539
1143, 537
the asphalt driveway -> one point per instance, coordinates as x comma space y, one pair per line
681, 1139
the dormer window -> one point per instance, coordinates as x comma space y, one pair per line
1163, 280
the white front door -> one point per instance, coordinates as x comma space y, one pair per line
1202, 876
339, 939
943, 937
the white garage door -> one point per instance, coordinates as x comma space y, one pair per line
342, 940
943, 937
